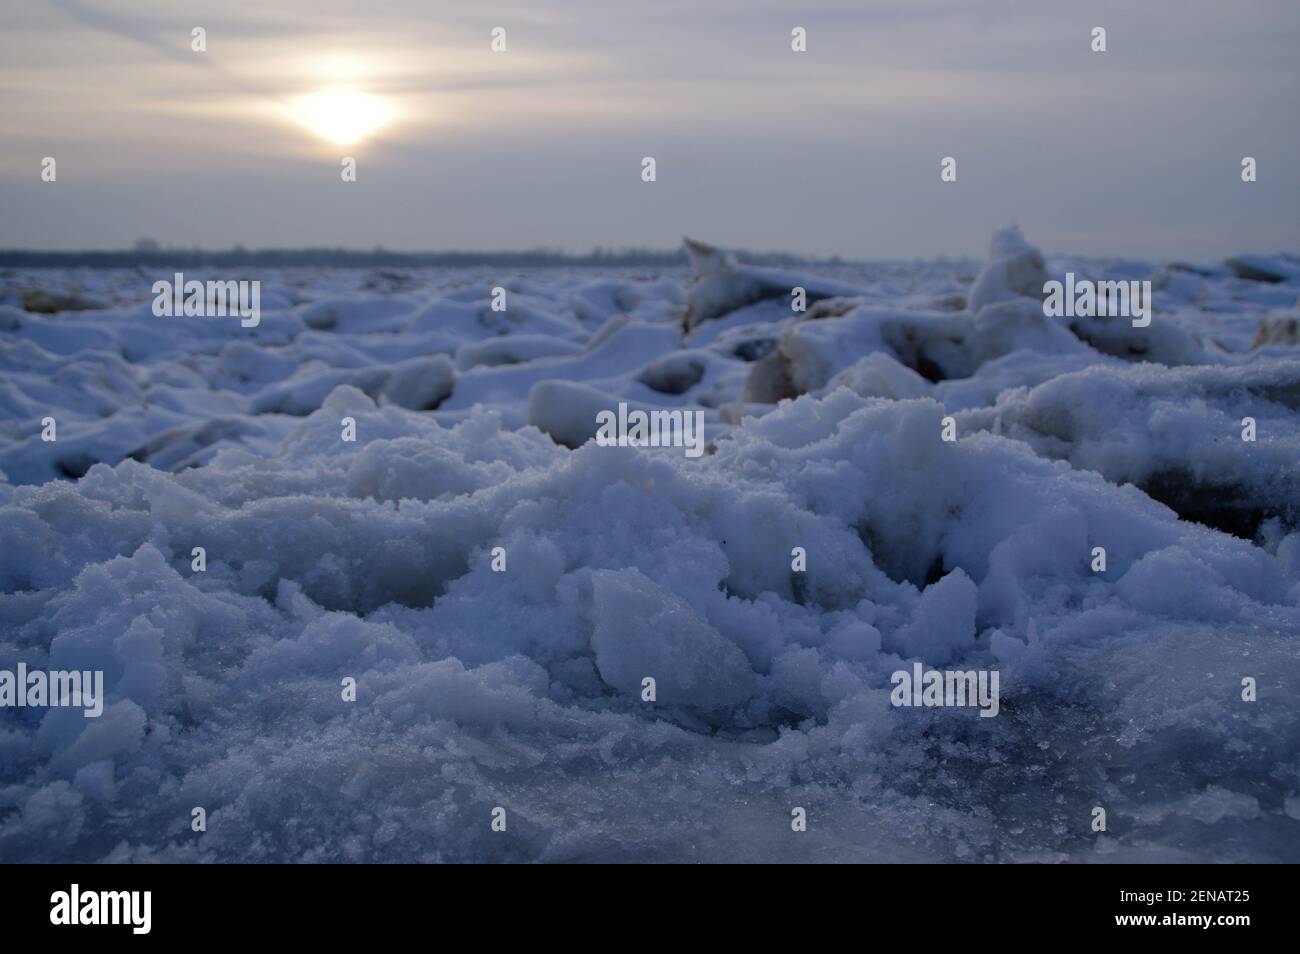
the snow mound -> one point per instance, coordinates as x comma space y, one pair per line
638, 654
1014, 269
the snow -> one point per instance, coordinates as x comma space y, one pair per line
1014, 268
523, 688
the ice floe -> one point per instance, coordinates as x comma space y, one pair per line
499, 586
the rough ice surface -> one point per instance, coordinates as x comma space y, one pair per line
523, 689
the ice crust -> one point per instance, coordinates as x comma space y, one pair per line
523, 688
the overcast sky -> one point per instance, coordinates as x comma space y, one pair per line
1136, 151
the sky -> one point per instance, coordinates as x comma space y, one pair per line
834, 151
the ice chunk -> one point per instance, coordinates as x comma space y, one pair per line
1014, 268
640, 630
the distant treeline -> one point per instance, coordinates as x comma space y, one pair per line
376, 258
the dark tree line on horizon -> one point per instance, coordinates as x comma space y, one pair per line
153, 257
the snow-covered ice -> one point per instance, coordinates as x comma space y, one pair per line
475, 688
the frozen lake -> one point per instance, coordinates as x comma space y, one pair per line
357, 575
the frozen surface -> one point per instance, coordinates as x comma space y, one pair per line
523, 689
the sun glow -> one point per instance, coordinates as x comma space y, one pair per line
343, 115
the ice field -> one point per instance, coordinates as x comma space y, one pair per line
520, 685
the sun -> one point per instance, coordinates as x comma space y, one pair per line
343, 115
